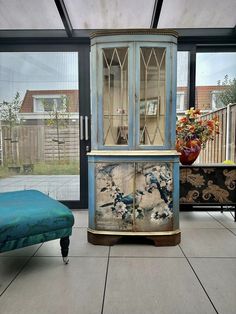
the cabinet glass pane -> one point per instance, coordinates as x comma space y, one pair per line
115, 96
152, 100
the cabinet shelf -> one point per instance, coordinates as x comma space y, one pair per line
115, 115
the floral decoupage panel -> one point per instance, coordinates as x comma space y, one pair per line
153, 197
114, 196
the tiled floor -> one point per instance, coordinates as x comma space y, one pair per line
198, 276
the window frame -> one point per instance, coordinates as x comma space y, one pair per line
62, 44
196, 44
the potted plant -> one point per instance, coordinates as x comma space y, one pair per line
192, 134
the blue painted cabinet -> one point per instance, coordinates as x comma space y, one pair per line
133, 165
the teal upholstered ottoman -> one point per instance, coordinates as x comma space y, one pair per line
30, 217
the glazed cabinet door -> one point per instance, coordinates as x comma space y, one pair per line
115, 96
153, 96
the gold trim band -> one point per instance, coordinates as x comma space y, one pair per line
138, 31
131, 233
133, 153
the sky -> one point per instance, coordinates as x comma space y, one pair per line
210, 68
21, 71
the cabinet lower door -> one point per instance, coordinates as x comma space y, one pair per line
153, 194
114, 196
134, 196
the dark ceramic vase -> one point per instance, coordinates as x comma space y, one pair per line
190, 152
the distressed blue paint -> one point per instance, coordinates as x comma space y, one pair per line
92, 192
137, 95
173, 89
176, 192
133, 38
99, 104
168, 104
131, 91
133, 42
158, 41
141, 158
94, 98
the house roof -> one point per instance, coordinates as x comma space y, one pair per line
27, 104
203, 95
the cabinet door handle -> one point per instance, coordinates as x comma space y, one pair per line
86, 128
81, 127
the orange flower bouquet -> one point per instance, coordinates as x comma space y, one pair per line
192, 134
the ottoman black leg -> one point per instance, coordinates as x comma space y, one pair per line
64, 242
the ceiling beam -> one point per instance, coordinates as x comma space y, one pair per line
156, 13
65, 17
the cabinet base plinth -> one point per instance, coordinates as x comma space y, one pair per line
158, 240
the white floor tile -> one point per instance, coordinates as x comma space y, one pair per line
218, 277
81, 218
25, 251
208, 243
147, 250
233, 230
9, 267
225, 218
153, 285
191, 220
79, 246
47, 286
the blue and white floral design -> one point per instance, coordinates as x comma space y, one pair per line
150, 202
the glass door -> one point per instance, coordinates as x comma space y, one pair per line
40, 133
152, 96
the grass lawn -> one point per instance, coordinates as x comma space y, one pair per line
49, 168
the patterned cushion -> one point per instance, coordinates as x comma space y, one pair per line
27, 213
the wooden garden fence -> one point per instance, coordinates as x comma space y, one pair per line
37, 143
223, 147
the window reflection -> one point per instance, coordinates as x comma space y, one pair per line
182, 81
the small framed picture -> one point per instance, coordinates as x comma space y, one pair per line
149, 107
152, 107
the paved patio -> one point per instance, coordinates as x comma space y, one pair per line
60, 187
